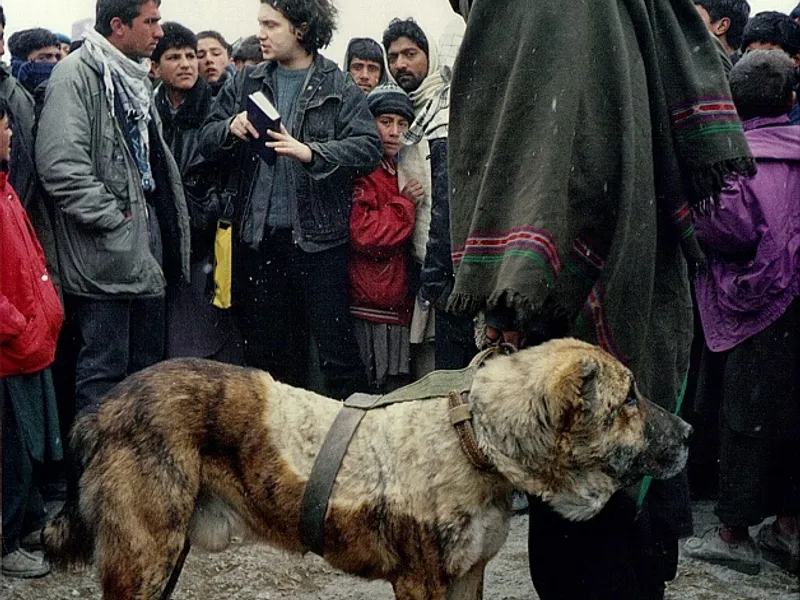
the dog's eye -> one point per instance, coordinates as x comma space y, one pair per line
632, 401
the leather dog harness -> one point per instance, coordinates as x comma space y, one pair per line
455, 385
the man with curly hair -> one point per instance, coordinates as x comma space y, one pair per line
292, 218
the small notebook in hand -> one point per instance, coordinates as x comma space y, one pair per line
263, 115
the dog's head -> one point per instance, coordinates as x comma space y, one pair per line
567, 422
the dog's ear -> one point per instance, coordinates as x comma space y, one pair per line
576, 384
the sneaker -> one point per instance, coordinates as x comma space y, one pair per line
24, 565
782, 550
710, 547
33, 541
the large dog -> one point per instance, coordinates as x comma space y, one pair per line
197, 450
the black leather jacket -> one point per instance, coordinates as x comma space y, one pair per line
181, 129
201, 179
332, 118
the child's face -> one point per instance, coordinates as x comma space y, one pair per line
391, 128
5, 139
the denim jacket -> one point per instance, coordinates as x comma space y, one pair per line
332, 118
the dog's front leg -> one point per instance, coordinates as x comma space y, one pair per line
468, 587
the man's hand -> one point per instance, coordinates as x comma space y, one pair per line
495, 337
285, 145
242, 128
413, 191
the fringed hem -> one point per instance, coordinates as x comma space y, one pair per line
708, 182
465, 304
470, 304
526, 313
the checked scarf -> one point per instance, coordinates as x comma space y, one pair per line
126, 80
431, 101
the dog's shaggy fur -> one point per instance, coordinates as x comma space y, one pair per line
201, 450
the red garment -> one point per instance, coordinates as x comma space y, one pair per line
380, 225
30, 311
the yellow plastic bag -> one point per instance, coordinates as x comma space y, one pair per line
223, 264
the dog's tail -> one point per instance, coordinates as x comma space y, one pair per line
68, 539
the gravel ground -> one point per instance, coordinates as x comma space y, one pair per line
252, 572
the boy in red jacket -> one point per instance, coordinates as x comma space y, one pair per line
30, 319
381, 224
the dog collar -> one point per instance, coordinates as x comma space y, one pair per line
461, 418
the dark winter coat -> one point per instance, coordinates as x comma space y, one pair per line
201, 179
194, 326
21, 105
22, 177
181, 127
437, 276
86, 165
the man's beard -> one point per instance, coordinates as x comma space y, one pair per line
407, 81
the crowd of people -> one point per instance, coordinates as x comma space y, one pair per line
600, 177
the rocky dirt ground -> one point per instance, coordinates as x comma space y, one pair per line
251, 572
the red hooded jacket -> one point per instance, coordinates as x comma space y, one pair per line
30, 310
380, 225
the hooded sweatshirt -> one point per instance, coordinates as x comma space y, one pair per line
752, 238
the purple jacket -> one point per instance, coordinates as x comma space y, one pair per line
752, 239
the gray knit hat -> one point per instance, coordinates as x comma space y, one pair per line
389, 98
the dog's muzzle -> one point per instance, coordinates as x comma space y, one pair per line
666, 444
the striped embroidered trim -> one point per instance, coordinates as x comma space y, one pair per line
704, 116
708, 130
691, 114
585, 258
595, 316
389, 317
682, 219
527, 242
